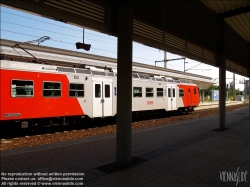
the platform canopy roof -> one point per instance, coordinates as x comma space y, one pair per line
236, 14
187, 28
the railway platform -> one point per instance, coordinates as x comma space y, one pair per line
215, 104
187, 153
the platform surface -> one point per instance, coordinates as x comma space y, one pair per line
187, 153
215, 104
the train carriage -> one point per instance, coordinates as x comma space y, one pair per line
33, 92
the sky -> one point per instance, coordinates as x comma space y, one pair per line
22, 27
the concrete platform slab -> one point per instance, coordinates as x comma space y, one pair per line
215, 104
190, 153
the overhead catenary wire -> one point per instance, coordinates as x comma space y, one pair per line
52, 40
79, 30
63, 34
58, 25
60, 33
114, 39
151, 60
135, 45
193, 66
70, 43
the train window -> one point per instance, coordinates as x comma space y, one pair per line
169, 92
76, 90
188, 90
181, 93
149, 92
51, 89
22, 88
107, 91
97, 90
137, 91
159, 92
173, 92
195, 91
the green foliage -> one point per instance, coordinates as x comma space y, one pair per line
207, 92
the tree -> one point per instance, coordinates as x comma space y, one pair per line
208, 91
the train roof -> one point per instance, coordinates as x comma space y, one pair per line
67, 58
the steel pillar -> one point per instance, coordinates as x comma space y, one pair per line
165, 59
124, 87
249, 96
222, 91
234, 91
222, 76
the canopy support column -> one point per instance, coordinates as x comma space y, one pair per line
222, 76
124, 87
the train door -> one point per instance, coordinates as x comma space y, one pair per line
171, 97
189, 96
102, 98
174, 91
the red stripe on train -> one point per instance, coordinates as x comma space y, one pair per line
37, 106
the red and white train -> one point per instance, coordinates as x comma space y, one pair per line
32, 93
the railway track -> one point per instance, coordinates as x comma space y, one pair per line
55, 133
9, 132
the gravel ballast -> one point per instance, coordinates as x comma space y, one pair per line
29, 141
